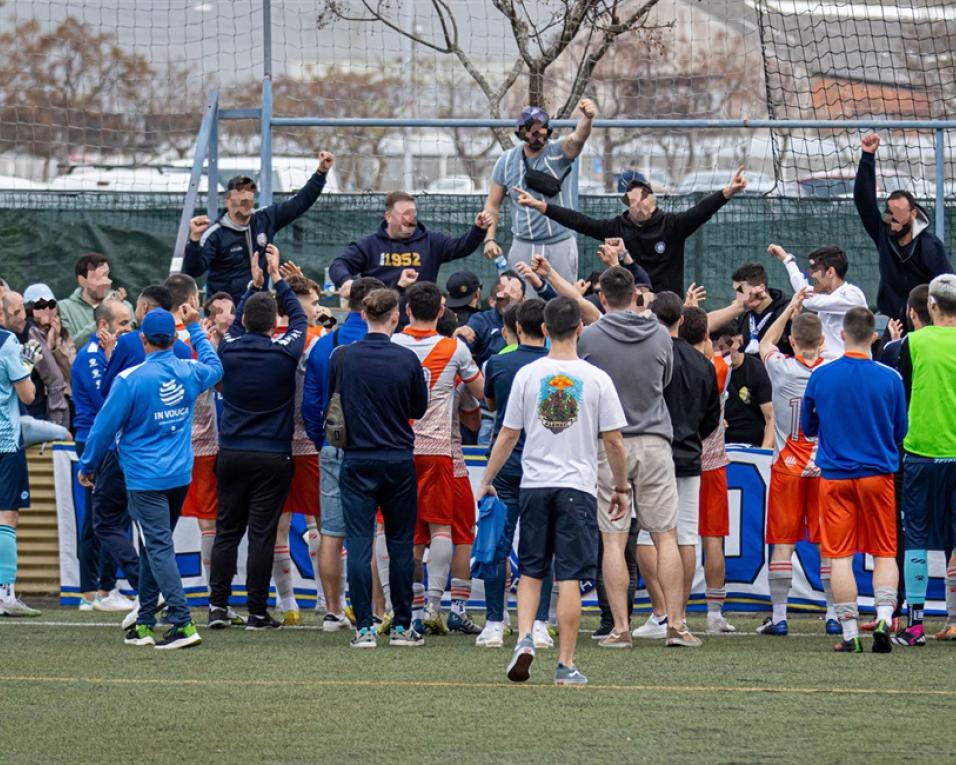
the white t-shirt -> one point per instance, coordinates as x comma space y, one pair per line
563, 407
829, 307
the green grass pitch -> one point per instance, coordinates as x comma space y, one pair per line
73, 693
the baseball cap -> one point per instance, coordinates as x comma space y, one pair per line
632, 178
460, 287
159, 326
531, 114
38, 291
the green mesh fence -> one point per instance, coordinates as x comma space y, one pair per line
42, 233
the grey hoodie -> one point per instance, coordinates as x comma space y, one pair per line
637, 352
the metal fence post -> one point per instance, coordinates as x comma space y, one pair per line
940, 183
265, 164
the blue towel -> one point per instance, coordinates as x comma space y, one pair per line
492, 514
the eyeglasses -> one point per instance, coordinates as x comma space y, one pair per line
241, 181
43, 304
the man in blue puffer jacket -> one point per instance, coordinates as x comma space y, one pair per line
224, 248
148, 413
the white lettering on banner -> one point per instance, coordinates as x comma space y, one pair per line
748, 477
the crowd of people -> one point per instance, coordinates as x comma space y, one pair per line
607, 404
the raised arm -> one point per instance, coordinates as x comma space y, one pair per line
496, 195
864, 187
198, 253
573, 144
209, 368
455, 248
540, 265
774, 333
284, 213
572, 219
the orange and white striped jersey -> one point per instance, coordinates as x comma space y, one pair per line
445, 361
464, 402
793, 451
713, 448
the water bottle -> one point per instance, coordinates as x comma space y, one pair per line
328, 286
501, 263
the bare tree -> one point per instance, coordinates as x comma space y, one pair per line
542, 32
71, 89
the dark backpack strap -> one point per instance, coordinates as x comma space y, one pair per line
560, 180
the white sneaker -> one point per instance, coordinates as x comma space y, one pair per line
540, 636
335, 622
492, 636
130, 619
717, 624
652, 629
85, 605
115, 601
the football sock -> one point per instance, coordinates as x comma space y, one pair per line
781, 580
8, 555
848, 615
381, 562
207, 539
915, 572
460, 592
418, 601
951, 595
282, 574
715, 599
885, 601
827, 591
440, 554
313, 538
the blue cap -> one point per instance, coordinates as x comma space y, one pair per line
159, 327
629, 179
531, 114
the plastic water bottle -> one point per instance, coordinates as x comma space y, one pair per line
501, 263
328, 286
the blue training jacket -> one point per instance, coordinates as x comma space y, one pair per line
315, 389
857, 408
86, 381
129, 351
149, 413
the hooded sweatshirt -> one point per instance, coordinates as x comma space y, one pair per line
637, 353
901, 268
385, 258
657, 244
755, 325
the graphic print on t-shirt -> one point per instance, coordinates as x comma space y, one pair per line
558, 400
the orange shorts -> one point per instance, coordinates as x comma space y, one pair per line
304, 496
714, 514
858, 515
793, 509
436, 494
201, 500
464, 513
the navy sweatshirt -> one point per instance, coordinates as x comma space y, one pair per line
693, 403
383, 387
901, 269
385, 258
258, 387
224, 252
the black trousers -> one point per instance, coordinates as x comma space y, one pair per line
630, 556
252, 488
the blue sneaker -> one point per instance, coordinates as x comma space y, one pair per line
519, 669
833, 627
462, 623
769, 628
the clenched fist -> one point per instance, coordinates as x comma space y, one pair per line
588, 108
196, 226
326, 158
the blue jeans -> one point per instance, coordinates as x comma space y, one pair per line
367, 485
330, 465
156, 512
507, 484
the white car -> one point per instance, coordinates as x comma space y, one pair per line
707, 181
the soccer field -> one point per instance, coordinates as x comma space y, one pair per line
72, 692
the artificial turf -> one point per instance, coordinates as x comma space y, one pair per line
72, 692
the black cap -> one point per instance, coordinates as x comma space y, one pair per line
461, 287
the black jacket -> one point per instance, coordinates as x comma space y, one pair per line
901, 268
383, 387
693, 403
258, 393
225, 252
762, 322
657, 245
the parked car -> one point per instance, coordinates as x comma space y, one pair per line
16, 183
168, 180
708, 181
454, 184
838, 184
